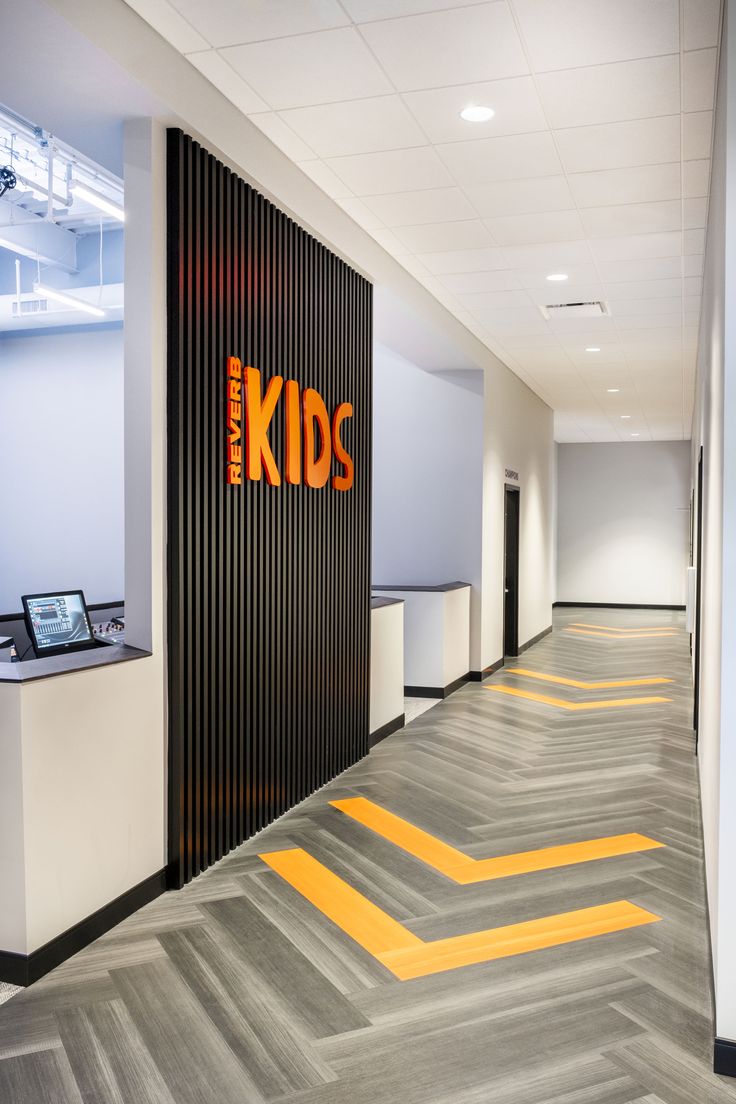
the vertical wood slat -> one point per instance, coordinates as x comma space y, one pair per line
268, 587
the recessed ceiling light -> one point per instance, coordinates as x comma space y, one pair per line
476, 113
634, 434
625, 416
613, 390
592, 349
557, 276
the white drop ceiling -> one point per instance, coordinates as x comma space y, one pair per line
596, 164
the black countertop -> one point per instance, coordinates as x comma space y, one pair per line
440, 588
33, 669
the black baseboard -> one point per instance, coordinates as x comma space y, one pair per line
724, 1057
18, 969
386, 730
479, 676
612, 605
436, 691
534, 640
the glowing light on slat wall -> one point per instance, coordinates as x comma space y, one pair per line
269, 587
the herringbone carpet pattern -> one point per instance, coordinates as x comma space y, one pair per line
238, 989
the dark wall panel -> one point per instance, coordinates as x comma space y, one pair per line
269, 587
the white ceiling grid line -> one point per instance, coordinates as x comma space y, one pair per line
595, 164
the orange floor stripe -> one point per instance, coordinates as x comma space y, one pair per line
620, 636
574, 707
463, 869
407, 956
585, 685
618, 629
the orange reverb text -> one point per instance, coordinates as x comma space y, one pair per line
306, 417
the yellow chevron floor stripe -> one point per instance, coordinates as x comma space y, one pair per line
407, 956
608, 685
619, 636
618, 629
465, 870
574, 707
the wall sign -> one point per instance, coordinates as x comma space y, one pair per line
511, 474
269, 445
305, 421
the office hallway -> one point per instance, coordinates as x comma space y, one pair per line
343, 967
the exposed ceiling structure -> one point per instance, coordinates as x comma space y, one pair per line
60, 240
594, 166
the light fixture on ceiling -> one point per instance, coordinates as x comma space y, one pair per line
613, 390
557, 277
592, 349
477, 113
626, 417
634, 434
102, 203
68, 300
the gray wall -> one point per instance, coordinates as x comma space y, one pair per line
61, 491
623, 522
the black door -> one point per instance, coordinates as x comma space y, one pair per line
511, 573
698, 598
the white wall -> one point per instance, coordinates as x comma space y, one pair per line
61, 495
518, 435
387, 664
713, 430
623, 531
427, 478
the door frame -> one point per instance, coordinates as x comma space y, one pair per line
515, 489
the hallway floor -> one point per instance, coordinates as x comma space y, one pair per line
511, 913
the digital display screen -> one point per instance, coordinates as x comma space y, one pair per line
58, 621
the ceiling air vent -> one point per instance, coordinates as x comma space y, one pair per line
575, 310
29, 306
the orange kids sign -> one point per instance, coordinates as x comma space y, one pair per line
249, 415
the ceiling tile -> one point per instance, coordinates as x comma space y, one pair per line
693, 285
612, 93
656, 268
695, 178
637, 246
490, 159
536, 277
553, 257
365, 11
698, 80
515, 102
621, 308
646, 289
229, 22
701, 21
170, 24
408, 170
566, 293
464, 260
310, 69
444, 236
416, 208
696, 134
389, 241
212, 66
357, 210
514, 320
283, 136
640, 184
694, 213
324, 176
520, 197
493, 300
463, 283
692, 265
616, 145
693, 241
558, 33
356, 126
477, 43
632, 218
532, 228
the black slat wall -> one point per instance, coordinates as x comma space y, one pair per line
268, 587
